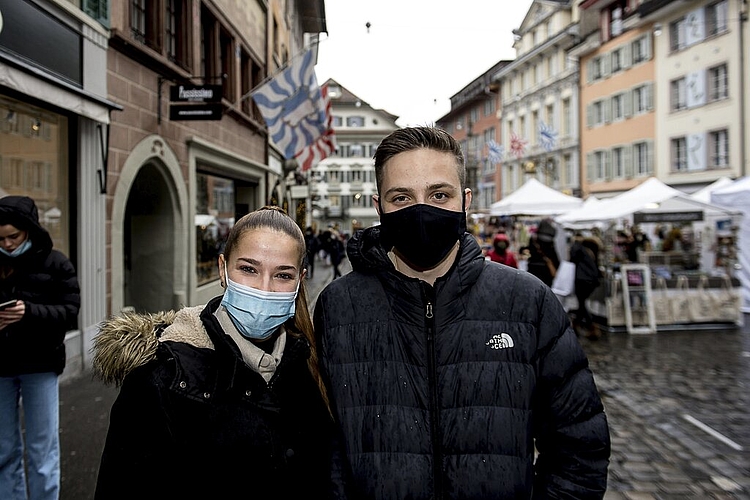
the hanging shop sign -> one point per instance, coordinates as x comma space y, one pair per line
643, 217
197, 102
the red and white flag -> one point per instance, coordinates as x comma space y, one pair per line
325, 145
517, 145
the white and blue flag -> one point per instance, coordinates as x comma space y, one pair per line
547, 136
292, 106
496, 151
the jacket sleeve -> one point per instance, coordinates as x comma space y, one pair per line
570, 427
137, 447
339, 463
61, 307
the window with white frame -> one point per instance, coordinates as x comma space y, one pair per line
678, 94
598, 113
356, 151
618, 162
641, 99
596, 68
679, 158
718, 144
355, 121
716, 17
566, 124
474, 115
337, 121
569, 173
718, 83
616, 57
600, 165
677, 34
618, 107
642, 158
641, 49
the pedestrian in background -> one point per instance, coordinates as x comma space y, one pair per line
543, 260
312, 246
501, 252
446, 372
584, 253
223, 400
334, 247
41, 296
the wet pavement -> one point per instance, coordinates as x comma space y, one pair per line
678, 405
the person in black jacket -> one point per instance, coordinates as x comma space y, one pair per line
40, 288
584, 253
223, 400
446, 371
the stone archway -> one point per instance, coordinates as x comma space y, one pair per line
149, 224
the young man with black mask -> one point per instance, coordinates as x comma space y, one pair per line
446, 371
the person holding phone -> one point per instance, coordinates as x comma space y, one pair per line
41, 298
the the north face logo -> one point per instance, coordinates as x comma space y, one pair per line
502, 341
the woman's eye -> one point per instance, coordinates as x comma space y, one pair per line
247, 269
285, 276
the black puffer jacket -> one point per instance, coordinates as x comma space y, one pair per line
46, 281
192, 420
444, 391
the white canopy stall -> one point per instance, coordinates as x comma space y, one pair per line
534, 198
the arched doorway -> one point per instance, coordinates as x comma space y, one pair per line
149, 243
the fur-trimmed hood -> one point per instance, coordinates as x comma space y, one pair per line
130, 340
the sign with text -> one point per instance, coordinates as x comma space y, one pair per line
643, 217
209, 111
195, 93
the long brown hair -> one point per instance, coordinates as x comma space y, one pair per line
276, 219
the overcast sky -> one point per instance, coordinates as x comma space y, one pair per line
417, 53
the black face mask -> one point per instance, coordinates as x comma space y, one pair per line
423, 234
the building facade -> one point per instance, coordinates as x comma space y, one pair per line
100, 124
473, 121
538, 116
342, 185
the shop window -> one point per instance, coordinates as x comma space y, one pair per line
214, 217
33, 162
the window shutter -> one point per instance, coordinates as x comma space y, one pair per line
589, 70
626, 56
606, 65
627, 103
607, 164
650, 156
649, 96
607, 109
589, 115
590, 167
627, 161
647, 47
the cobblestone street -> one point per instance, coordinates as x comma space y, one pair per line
679, 412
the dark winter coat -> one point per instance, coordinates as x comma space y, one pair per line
583, 253
192, 420
444, 391
45, 280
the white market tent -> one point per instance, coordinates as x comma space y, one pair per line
736, 196
534, 198
704, 194
649, 193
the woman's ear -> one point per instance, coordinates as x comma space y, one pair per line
222, 270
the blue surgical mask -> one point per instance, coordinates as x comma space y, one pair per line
257, 314
20, 249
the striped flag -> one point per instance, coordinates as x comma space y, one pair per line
517, 145
292, 106
325, 145
496, 151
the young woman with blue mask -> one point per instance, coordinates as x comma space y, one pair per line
40, 287
223, 400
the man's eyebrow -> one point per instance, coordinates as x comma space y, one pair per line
431, 187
